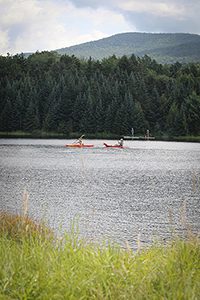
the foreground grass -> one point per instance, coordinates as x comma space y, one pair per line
35, 265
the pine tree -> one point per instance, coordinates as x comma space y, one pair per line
32, 121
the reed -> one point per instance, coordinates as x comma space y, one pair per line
21, 227
32, 267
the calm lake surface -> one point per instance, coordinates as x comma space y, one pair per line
150, 189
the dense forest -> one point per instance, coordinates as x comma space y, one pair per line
64, 94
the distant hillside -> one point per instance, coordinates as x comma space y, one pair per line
164, 47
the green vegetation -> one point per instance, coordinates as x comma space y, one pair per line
53, 135
61, 96
34, 134
36, 265
192, 139
164, 47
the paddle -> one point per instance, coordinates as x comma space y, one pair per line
78, 139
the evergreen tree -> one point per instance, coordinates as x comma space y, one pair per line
50, 92
32, 121
192, 113
7, 117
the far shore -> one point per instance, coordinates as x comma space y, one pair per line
106, 136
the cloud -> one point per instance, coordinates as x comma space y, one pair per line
48, 24
4, 40
30, 25
159, 8
88, 3
154, 15
163, 16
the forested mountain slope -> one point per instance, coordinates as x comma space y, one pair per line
64, 94
164, 47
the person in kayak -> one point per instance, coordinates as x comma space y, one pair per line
80, 141
121, 142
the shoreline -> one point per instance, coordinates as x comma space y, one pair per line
44, 135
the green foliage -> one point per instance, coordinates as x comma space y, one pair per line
62, 94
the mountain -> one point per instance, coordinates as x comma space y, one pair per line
164, 47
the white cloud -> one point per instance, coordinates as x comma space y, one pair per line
4, 40
47, 25
161, 8
30, 25
15, 12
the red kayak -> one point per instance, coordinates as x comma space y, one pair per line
113, 146
79, 145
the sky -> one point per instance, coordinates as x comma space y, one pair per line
37, 25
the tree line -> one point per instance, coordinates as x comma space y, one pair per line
64, 94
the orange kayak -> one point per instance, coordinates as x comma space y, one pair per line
79, 146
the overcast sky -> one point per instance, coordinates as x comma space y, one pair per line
31, 25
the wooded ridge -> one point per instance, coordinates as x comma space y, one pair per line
64, 94
164, 47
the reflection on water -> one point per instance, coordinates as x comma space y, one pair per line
116, 194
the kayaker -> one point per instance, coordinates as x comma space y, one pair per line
121, 142
80, 141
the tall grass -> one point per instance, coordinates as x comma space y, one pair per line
36, 265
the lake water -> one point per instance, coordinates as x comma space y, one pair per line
150, 189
